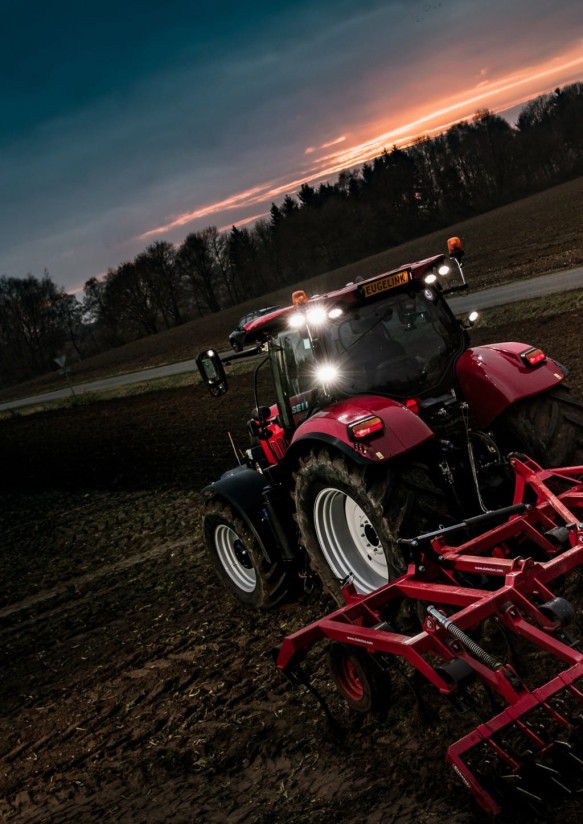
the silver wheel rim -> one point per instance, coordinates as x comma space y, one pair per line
227, 542
348, 540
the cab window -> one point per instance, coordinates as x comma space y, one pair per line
293, 374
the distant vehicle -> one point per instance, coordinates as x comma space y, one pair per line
237, 336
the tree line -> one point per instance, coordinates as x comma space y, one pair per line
474, 166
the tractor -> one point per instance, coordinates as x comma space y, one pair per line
384, 423
434, 490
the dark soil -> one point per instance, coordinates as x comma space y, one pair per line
132, 688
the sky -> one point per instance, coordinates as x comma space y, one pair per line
126, 123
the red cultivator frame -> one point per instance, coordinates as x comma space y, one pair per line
502, 574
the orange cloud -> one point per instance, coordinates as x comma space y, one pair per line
253, 195
497, 95
333, 142
312, 149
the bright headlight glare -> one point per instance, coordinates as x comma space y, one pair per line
430, 279
316, 315
326, 374
473, 316
443, 269
297, 321
335, 313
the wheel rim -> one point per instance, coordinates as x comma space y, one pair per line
234, 558
348, 540
349, 679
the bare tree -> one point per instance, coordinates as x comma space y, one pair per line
196, 262
129, 297
32, 327
157, 265
219, 246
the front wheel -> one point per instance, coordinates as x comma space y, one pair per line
242, 567
349, 521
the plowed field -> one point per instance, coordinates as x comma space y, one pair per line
132, 689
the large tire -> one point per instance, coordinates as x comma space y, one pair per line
239, 562
548, 428
349, 519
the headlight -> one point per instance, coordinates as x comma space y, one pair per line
327, 373
316, 315
297, 321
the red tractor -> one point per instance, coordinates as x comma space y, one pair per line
392, 468
386, 424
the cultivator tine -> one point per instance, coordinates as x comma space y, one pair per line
550, 775
570, 767
566, 751
522, 794
530, 752
539, 782
535, 802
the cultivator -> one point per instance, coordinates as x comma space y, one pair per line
494, 584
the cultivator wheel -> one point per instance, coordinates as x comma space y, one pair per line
360, 678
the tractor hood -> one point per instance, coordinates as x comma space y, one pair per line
369, 428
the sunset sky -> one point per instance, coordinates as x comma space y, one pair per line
126, 123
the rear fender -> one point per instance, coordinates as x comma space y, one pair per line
403, 430
244, 490
494, 376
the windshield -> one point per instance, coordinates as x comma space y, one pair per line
404, 345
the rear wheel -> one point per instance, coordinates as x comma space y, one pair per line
239, 562
548, 428
349, 520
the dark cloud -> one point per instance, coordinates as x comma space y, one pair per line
117, 117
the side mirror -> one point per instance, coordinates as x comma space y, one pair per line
212, 372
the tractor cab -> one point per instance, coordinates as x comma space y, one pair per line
398, 341
392, 335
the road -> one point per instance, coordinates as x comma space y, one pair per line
485, 299
519, 290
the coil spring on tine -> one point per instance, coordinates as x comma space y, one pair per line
461, 636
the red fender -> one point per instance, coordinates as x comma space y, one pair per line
403, 429
494, 376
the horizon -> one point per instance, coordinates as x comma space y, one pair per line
210, 121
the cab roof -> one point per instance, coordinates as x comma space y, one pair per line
274, 322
